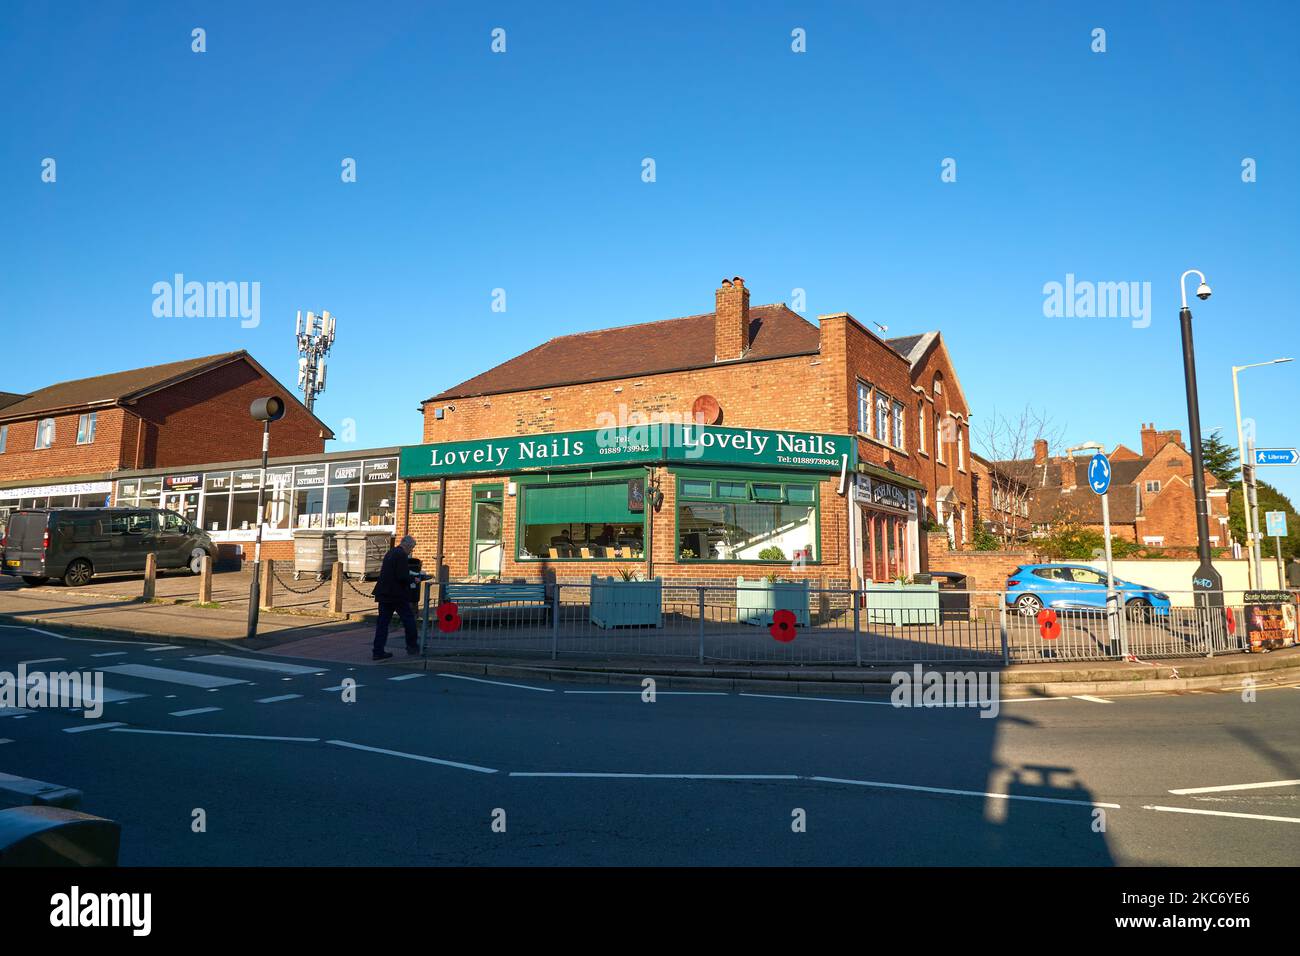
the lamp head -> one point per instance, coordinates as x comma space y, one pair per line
1203, 291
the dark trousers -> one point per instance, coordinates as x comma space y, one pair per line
403, 609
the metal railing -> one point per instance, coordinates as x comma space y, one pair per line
820, 626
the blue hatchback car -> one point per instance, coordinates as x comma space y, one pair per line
1076, 587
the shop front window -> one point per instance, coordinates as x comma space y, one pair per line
279, 498
777, 522
379, 493
580, 521
309, 496
343, 500
151, 492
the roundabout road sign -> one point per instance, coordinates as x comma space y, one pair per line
1099, 473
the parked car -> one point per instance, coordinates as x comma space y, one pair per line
76, 544
1077, 587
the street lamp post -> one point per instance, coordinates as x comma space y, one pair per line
264, 410
1207, 582
1251, 531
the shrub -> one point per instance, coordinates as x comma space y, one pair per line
772, 553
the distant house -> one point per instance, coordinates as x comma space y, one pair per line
1151, 498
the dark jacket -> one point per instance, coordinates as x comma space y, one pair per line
394, 584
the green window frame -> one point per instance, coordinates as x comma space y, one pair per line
583, 504
426, 502
758, 489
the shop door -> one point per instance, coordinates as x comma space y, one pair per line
485, 531
184, 503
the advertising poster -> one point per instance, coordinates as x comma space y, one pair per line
1270, 620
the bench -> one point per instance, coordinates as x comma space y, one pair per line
484, 595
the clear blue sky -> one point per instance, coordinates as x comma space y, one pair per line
522, 171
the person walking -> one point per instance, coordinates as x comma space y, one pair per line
393, 592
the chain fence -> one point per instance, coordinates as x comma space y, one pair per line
289, 587
822, 626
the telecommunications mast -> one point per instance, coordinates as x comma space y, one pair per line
315, 338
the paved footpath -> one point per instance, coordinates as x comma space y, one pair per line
285, 764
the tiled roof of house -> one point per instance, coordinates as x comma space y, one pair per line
912, 347
647, 349
8, 398
113, 387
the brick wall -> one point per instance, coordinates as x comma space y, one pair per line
22, 460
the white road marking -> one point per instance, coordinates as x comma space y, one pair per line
62, 637
112, 696
341, 687
165, 647
829, 700
1225, 813
256, 664
276, 700
1091, 699
195, 710
1238, 786
14, 712
110, 654
498, 683
5, 740
662, 776
964, 793
192, 733
44, 660
171, 676
83, 728
658, 693
420, 757
406, 677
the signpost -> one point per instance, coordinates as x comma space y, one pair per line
1275, 521
1277, 456
1099, 474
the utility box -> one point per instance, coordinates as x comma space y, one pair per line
954, 595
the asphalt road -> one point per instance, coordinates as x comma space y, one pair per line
417, 770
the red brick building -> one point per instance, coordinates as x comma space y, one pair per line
1151, 498
547, 465
65, 444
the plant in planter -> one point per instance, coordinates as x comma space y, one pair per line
772, 553
626, 601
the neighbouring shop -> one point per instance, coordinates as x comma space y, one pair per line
84, 494
888, 516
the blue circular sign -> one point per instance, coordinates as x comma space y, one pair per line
1099, 474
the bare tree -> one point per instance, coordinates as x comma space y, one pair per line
1007, 442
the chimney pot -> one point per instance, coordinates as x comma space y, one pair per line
731, 320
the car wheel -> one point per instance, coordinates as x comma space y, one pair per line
78, 573
1029, 605
1139, 610
34, 581
196, 560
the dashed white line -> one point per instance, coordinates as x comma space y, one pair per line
44, 660
1237, 786
341, 687
277, 699
17, 713
84, 727
1093, 700
110, 654
829, 700
406, 677
5, 740
170, 676
406, 756
253, 663
193, 711
193, 733
964, 793
659, 776
658, 693
1223, 813
498, 683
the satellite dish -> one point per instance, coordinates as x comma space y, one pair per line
706, 410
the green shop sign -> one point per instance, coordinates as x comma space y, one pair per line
632, 445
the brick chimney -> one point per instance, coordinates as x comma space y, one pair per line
1040, 451
1066, 466
731, 322
1153, 441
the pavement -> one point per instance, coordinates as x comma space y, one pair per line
214, 756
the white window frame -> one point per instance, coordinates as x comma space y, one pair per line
961, 449
4, 438
1147, 487
86, 428
1153, 540
883, 401
938, 438
41, 430
864, 405
921, 426
898, 422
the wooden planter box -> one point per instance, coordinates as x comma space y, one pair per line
616, 603
900, 604
756, 601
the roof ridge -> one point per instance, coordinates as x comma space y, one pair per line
642, 325
142, 368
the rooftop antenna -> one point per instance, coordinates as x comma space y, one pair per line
315, 338
883, 328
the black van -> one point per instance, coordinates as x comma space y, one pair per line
76, 544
